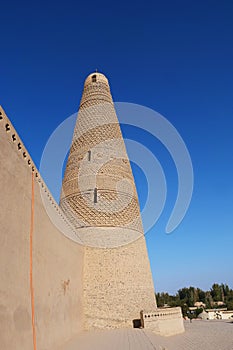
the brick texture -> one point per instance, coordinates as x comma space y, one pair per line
100, 199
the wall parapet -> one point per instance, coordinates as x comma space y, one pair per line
6, 124
163, 321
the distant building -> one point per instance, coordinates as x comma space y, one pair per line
204, 315
200, 304
218, 303
217, 314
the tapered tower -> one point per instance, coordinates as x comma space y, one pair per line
100, 200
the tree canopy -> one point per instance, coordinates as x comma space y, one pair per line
219, 295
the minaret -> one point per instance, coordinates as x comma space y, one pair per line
99, 198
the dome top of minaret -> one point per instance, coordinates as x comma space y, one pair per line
95, 77
96, 90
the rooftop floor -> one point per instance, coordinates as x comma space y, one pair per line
199, 335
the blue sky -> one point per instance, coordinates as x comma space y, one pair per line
172, 56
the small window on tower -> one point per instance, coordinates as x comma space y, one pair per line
95, 195
89, 156
93, 78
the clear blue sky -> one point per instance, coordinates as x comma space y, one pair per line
175, 57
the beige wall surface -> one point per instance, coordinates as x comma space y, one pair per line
165, 322
57, 261
117, 285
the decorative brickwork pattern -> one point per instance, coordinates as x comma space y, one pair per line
98, 186
100, 199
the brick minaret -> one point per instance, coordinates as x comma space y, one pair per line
100, 199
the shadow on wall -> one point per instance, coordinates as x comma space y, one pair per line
137, 323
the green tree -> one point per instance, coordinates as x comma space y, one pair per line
201, 295
162, 299
198, 312
185, 309
208, 299
216, 292
188, 295
225, 290
229, 300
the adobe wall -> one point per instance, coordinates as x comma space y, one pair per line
164, 322
57, 262
117, 285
